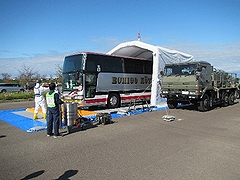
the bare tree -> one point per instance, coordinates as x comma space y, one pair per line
50, 77
44, 76
37, 76
27, 74
59, 73
5, 76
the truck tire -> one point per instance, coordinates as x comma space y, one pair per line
225, 100
231, 98
204, 103
172, 104
113, 100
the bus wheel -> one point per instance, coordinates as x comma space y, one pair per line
113, 100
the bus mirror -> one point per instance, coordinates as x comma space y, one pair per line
98, 68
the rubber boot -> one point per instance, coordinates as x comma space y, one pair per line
44, 116
35, 116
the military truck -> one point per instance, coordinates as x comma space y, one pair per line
197, 83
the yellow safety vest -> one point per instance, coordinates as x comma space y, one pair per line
50, 100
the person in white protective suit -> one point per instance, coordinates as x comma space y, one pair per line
40, 100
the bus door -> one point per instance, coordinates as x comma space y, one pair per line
90, 85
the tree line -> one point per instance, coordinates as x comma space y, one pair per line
28, 76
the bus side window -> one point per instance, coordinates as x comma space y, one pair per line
114, 64
117, 68
138, 68
91, 66
129, 66
148, 67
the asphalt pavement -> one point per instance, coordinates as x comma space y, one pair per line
18, 104
195, 146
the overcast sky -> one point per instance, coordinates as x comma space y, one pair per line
39, 33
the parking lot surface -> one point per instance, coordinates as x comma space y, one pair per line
195, 145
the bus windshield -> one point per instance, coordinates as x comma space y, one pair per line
72, 63
72, 81
72, 72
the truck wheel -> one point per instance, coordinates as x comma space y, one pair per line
113, 100
225, 100
231, 98
172, 104
204, 103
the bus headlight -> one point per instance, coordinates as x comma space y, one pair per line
78, 97
67, 97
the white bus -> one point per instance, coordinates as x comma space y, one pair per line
98, 79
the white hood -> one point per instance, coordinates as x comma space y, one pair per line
37, 85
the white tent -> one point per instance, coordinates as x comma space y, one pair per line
160, 57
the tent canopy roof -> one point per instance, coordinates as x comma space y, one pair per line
143, 50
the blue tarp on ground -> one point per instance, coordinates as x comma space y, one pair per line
20, 122
30, 125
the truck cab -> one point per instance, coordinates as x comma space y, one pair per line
184, 82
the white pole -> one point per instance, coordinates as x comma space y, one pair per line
154, 89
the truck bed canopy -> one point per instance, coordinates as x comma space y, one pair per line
160, 57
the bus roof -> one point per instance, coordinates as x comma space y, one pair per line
101, 54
